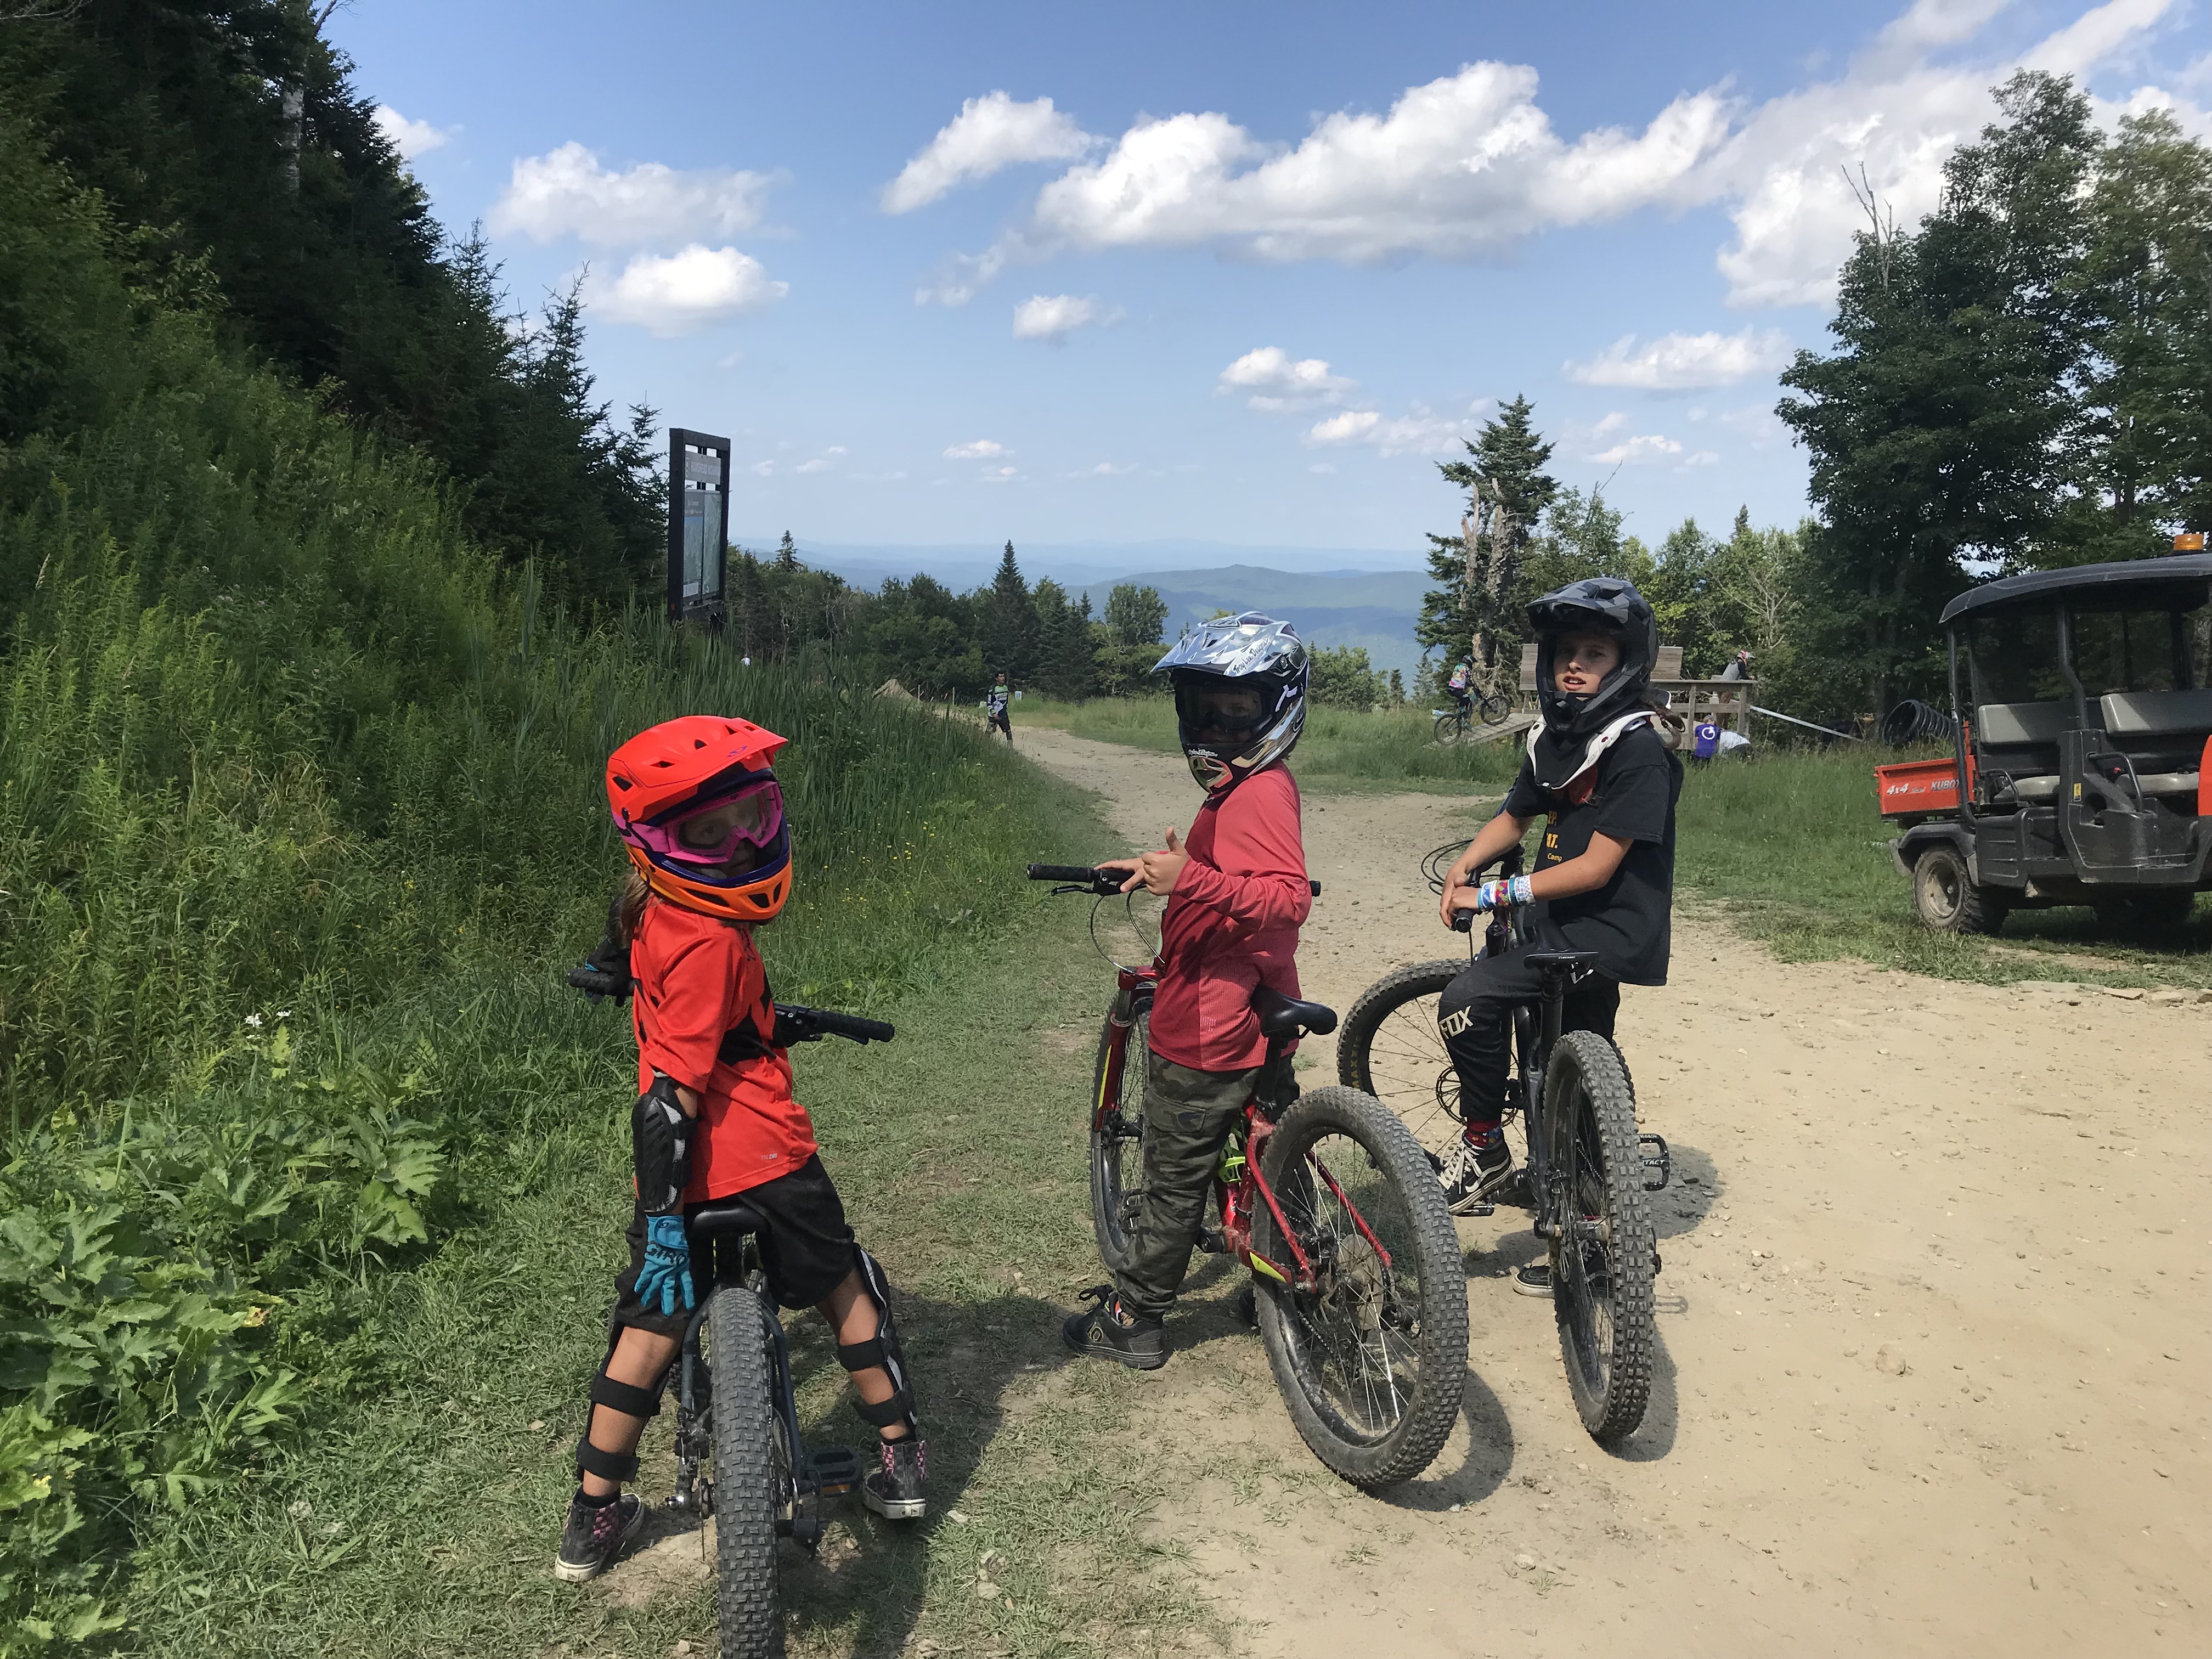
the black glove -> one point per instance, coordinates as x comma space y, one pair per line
605, 972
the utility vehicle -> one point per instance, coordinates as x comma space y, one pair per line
2079, 770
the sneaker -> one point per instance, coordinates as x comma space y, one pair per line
594, 1537
893, 1490
1534, 1280
1475, 1172
1110, 1331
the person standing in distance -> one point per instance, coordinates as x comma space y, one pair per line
995, 707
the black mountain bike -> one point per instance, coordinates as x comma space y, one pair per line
1572, 1109
1455, 722
734, 1407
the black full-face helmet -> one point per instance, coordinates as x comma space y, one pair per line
1253, 652
1597, 605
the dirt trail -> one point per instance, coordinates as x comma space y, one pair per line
1930, 1314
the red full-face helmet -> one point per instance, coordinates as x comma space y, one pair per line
682, 770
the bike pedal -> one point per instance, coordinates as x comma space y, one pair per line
834, 1469
1658, 1162
1210, 1243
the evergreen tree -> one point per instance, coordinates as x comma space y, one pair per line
1008, 629
1474, 605
787, 554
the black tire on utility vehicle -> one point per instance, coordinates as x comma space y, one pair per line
1372, 1364
1947, 897
1602, 1261
752, 1474
1118, 1145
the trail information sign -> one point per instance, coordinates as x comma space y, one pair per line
698, 525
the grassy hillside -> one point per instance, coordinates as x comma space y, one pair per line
300, 812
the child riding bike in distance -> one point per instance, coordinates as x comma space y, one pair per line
698, 807
1606, 783
1237, 895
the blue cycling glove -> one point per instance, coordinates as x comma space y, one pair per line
667, 1268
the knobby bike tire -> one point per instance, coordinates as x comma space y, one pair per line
1296, 1328
749, 1486
1388, 1047
1117, 1143
1496, 709
1449, 727
1602, 1276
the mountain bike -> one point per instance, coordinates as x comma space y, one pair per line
1357, 1288
1587, 1169
1454, 724
734, 1408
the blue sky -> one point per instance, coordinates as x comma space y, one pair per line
1249, 272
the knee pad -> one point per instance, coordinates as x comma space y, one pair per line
882, 1349
627, 1398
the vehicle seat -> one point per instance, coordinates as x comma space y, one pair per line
2156, 714
2021, 739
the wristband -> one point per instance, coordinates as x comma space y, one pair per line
1523, 891
1503, 895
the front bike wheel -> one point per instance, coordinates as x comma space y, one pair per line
1388, 1047
1449, 727
753, 1483
1603, 1252
1372, 1361
1117, 1142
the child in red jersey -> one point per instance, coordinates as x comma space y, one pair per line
699, 807
1236, 894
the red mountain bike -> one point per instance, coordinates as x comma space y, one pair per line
1330, 1201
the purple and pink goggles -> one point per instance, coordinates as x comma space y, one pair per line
749, 814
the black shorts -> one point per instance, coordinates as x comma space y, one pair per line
807, 1249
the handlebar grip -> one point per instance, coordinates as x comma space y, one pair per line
1317, 888
855, 1027
1463, 921
1080, 873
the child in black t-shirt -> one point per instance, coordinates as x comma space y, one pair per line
1605, 782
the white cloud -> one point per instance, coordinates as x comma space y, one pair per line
1465, 165
567, 194
677, 293
1680, 362
999, 474
409, 139
1276, 383
1609, 443
1649, 447
1106, 469
1054, 317
983, 449
1420, 433
990, 132
823, 462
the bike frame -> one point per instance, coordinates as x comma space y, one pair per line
1241, 1195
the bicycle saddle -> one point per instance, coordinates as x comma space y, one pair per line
1282, 1017
1573, 961
726, 1215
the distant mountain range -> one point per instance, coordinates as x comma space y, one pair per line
1331, 595
1376, 609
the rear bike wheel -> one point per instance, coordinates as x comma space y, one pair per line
1372, 1361
1496, 709
1603, 1254
1117, 1143
753, 1483
1388, 1047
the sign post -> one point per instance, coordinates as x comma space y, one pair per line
698, 525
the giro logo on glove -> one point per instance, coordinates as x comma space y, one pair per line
666, 1273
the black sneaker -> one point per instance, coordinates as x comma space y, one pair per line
1534, 1280
1110, 1331
893, 1490
1475, 1173
594, 1537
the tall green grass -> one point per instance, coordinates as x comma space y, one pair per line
300, 814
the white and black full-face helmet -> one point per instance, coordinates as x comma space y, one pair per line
1597, 605
1240, 692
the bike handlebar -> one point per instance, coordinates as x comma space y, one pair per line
794, 1023
1101, 882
